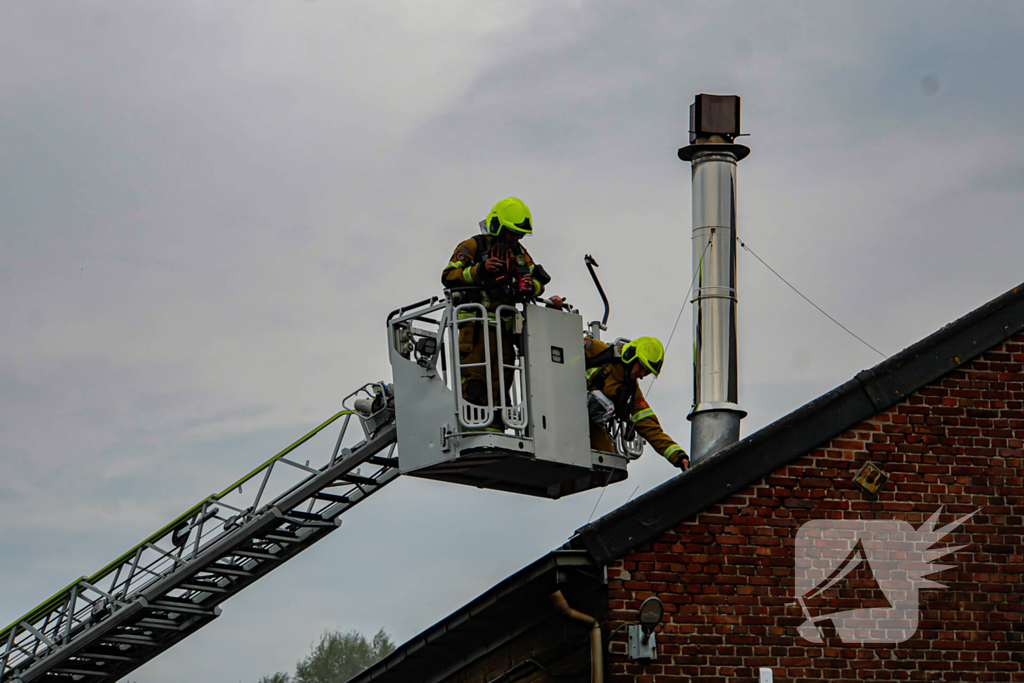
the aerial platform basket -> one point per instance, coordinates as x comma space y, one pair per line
544, 449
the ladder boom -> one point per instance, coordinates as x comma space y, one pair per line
104, 626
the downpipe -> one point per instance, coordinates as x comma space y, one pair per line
596, 652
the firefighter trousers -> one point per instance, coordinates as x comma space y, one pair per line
600, 440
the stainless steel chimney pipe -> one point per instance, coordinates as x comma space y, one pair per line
716, 414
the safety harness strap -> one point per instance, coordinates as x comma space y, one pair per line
603, 358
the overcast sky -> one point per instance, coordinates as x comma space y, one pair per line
208, 208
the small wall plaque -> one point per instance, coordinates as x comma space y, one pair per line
871, 478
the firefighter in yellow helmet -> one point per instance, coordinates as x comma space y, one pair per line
493, 268
613, 393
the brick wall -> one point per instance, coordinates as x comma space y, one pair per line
727, 577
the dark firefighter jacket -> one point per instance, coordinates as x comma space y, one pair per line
610, 378
466, 268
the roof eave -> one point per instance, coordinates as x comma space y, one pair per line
408, 661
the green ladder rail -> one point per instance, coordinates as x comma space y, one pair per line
104, 626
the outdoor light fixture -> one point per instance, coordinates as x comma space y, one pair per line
426, 347
649, 614
641, 635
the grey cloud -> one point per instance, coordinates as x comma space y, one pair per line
208, 210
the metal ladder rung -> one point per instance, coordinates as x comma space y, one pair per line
99, 656
308, 520
80, 672
227, 570
203, 586
357, 479
332, 497
305, 516
311, 524
280, 534
161, 624
130, 639
181, 608
279, 537
173, 600
256, 555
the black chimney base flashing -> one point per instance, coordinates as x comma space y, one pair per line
690, 151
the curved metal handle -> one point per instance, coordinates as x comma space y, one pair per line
591, 264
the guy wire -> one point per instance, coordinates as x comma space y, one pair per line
686, 299
742, 244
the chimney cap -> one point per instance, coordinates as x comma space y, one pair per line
715, 115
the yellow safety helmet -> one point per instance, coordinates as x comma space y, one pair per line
510, 213
648, 350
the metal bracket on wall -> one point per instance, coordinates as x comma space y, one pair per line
641, 645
